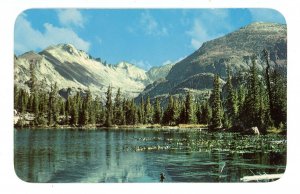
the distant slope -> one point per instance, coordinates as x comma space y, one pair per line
195, 72
156, 73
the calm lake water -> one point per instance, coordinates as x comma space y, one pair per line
141, 155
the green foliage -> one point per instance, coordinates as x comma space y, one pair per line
148, 111
53, 108
169, 116
206, 114
190, 116
157, 112
231, 107
216, 120
109, 108
278, 98
118, 109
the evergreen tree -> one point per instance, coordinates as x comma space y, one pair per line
67, 110
216, 104
86, 111
133, 112
279, 98
182, 116
199, 114
142, 111
252, 99
148, 111
109, 108
170, 113
231, 102
35, 108
125, 110
99, 116
157, 111
206, 113
53, 109
241, 95
118, 111
189, 108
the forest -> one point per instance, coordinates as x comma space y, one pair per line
247, 99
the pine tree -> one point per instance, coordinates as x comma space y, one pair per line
252, 100
216, 104
86, 112
142, 111
109, 108
125, 109
231, 102
157, 111
67, 110
133, 112
189, 108
279, 91
206, 113
169, 116
118, 111
98, 111
35, 108
182, 116
130, 112
199, 113
148, 111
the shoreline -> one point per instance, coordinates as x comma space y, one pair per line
121, 127
149, 127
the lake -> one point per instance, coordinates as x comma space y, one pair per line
116, 155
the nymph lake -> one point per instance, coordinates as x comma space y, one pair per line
135, 155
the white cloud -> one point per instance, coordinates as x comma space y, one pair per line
27, 38
70, 17
198, 34
266, 15
151, 26
208, 25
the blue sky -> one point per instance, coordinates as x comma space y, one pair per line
145, 37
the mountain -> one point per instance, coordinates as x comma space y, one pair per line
74, 69
195, 72
156, 73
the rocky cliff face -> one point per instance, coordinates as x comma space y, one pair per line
195, 72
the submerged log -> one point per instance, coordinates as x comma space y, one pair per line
264, 177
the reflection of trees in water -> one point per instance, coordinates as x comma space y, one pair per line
76, 156
103, 156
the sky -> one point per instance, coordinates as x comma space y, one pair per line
144, 37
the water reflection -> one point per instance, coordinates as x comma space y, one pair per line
135, 156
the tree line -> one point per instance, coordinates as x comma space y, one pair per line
255, 98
